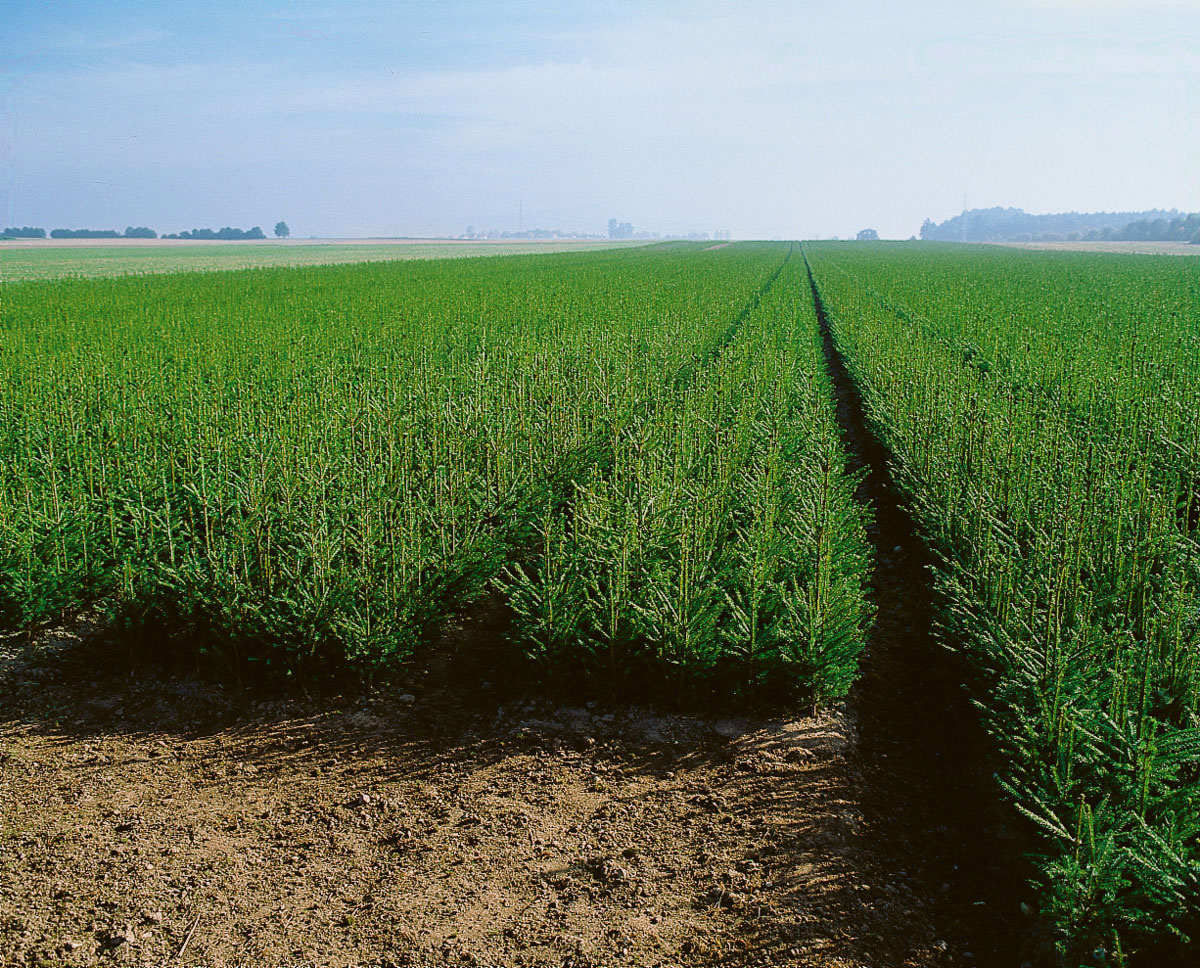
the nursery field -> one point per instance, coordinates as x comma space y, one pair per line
1041, 413
313, 470
641, 459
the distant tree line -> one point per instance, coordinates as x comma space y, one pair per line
141, 232
1015, 225
1182, 228
85, 234
225, 234
31, 233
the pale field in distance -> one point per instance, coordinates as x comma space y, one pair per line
56, 258
1132, 248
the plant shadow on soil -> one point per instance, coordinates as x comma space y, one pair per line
531, 828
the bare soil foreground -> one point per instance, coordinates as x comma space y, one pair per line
157, 819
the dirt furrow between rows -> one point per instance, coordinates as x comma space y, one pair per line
921, 759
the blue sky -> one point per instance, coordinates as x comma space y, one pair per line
769, 119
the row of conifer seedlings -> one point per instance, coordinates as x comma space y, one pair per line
1041, 415
312, 470
722, 545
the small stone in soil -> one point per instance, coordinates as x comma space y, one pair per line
119, 938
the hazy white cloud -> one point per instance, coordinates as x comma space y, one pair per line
769, 119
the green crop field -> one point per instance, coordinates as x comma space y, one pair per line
316, 468
1041, 410
313, 470
46, 260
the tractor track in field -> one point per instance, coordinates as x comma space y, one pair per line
689, 370
921, 753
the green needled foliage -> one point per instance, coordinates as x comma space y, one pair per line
722, 545
1042, 413
316, 466
311, 469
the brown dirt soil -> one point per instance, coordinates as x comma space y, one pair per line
142, 814
159, 819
